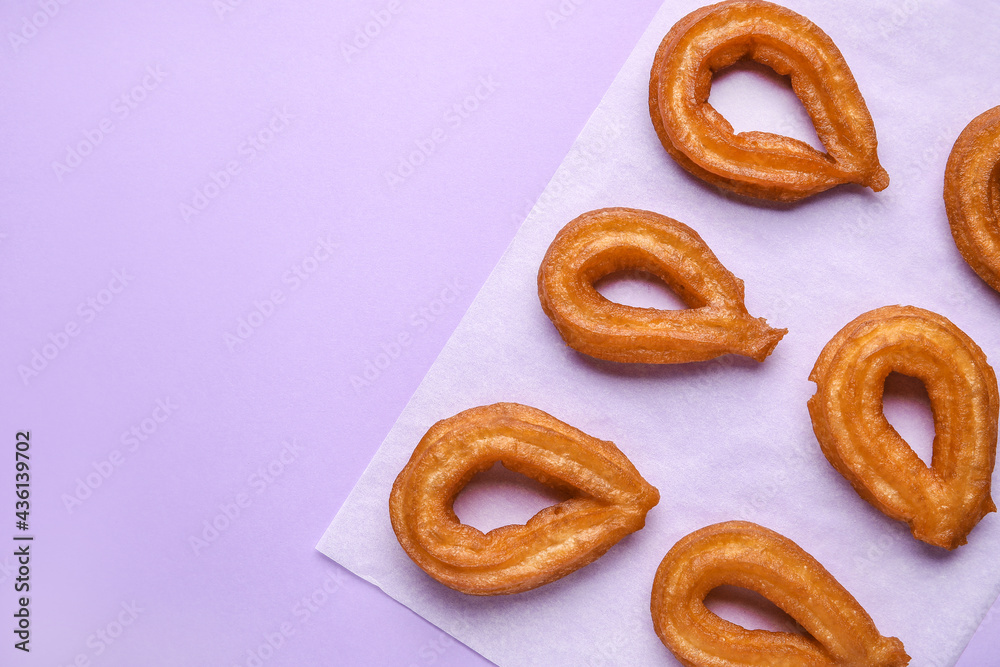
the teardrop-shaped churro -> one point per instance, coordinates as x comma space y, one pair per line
610, 500
740, 553
972, 195
602, 242
761, 164
941, 503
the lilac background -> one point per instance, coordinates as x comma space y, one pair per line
408, 261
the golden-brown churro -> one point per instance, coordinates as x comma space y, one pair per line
610, 500
608, 240
941, 503
739, 553
761, 164
972, 195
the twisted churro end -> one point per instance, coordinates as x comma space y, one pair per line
879, 181
764, 339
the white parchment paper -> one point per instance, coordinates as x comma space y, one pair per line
730, 438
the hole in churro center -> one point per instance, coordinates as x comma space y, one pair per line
750, 610
640, 289
907, 407
753, 97
500, 497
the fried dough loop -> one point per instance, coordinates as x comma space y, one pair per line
761, 164
740, 553
605, 241
610, 500
941, 503
972, 195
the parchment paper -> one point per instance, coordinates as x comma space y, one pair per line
730, 438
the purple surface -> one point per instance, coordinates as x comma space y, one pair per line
252, 297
